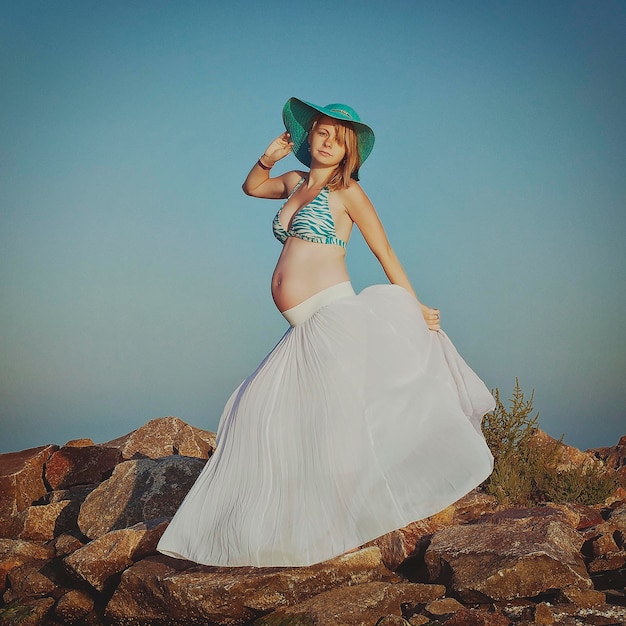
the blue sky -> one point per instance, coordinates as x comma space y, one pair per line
134, 273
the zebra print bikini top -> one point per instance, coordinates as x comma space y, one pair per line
313, 222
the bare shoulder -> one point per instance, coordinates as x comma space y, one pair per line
291, 179
354, 198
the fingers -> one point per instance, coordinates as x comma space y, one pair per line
279, 148
286, 138
432, 318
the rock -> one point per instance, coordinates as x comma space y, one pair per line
444, 606
165, 436
398, 545
580, 516
21, 479
568, 456
114, 552
66, 544
477, 617
15, 553
24, 550
404, 543
606, 543
138, 490
516, 554
13, 525
45, 522
31, 580
84, 465
355, 606
5, 567
583, 598
613, 456
607, 563
139, 598
75, 607
474, 506
29, 613
617, 519
79, 443
77, 494
544, 616
156, 586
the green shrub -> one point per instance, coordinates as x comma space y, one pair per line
526, 473
15, 613
589, 484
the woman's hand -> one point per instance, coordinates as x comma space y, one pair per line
431, 316
277, 150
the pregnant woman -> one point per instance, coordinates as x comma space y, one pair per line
364, 417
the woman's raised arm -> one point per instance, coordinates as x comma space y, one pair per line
258, 183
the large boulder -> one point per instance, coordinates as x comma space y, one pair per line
19, 549
114, 552
155, 590
354, 606
579, 516
568, 456
45, 522
519, 553
58, 515
29, 581
74, 465
606, 546
165, 436
75, 607
399, 545
16, 552
36, 579
137, 491
21, 479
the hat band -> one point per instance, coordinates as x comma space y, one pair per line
342, 112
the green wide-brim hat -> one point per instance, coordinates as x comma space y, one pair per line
298, 115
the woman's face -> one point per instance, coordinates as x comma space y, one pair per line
326, 150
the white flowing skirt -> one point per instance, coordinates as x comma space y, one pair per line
358, 422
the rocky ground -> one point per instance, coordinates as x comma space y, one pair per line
79, 525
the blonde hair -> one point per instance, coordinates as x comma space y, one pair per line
347, 137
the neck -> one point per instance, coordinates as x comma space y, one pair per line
319, 177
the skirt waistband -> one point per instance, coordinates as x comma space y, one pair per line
303, 311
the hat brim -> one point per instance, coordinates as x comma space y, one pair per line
298, 115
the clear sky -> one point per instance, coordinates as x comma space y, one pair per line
134, 273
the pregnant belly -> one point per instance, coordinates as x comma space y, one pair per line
301, 272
